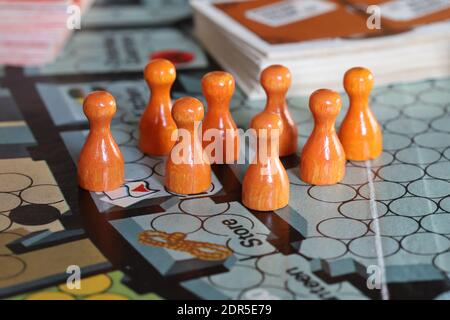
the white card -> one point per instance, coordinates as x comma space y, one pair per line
285, 12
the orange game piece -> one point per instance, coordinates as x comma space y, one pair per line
360, 132
157, 125
218, 88
187, 169
266, 185
322, 160
101, 164
276, 80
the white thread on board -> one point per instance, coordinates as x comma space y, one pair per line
376, 224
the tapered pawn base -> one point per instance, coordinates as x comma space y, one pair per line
102, 180
265, 192
186, 179
323, 174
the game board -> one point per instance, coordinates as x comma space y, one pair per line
392, 213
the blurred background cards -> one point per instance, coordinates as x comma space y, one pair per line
319, 39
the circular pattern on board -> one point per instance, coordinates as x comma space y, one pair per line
406, 126
435, 96
383, 190
383, 113
437, 223
383, 160
5, 222
91, 285
362, 209
42, 194
414, 87
322, 248
9, 201
6, 238
423, 112
266, 293
430, 188
439, 170
333, 193
425, 243
445, 204
233, 280
366, 247
442, 261
413, 206
387, 97
394, 226
442, 124
12, 266
137, 172
12, 182
135, 134
447, 153
121, 137
160, 168
393, 142
442, 84
203, 207
131, 154
418, 155
433, 139
357, 175
34, 214
176, 222
342, 228
401, 173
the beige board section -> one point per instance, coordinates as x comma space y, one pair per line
17, 270
26, 182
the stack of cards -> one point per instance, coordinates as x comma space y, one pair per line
33, 31
318, 40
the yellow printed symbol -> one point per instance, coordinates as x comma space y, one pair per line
177, 241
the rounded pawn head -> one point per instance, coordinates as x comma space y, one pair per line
358, 81
218, 85
268, 121
276, 78
187, 110
99, 106
325, 104
160, 72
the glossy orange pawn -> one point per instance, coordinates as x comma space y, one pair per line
157, 125
360, 132
276, 80
101, 165
322, 160
266, 184
218, 89
187, 169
